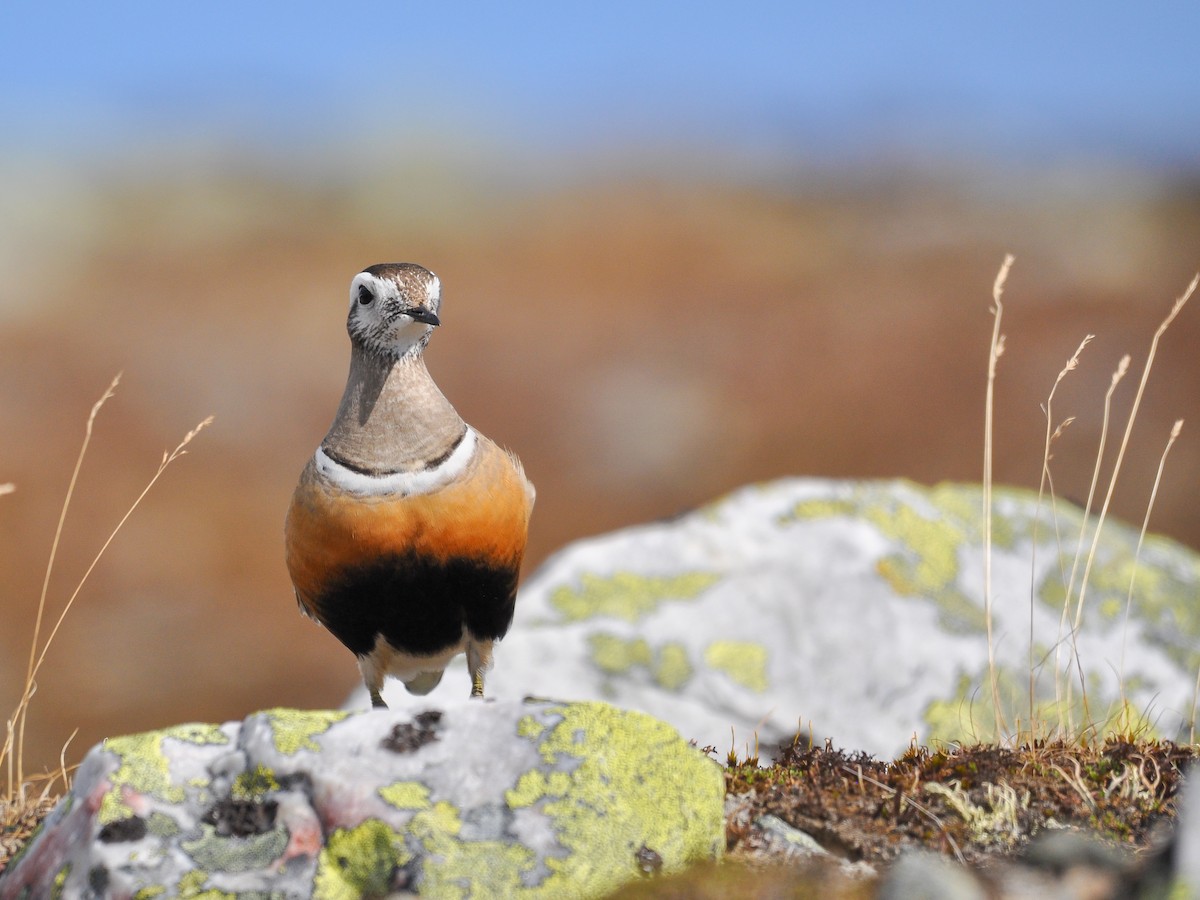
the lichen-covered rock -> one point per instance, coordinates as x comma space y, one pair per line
480, 799
856, 609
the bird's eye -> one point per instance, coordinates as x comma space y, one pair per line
364, 295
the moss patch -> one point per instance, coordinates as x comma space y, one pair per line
982, 800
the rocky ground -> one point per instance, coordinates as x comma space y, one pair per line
1063, 820
987, 807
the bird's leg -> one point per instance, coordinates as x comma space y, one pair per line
372, 676
479, 657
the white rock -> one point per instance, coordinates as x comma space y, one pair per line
855, 608
487, 799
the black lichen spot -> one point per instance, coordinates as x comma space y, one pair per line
648, 861
296, 781
241, 818
429, 719
405, 878
98, 880
407, 737
130, 829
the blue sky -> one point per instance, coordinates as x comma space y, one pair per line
1020, 80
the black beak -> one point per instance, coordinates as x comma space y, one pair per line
421, 314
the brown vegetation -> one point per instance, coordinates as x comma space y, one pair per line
967, 802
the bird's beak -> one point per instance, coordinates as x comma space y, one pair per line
421, 314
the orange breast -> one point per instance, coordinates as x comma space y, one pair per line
483, 516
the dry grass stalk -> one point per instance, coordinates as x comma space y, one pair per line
1069, 626
995, 352
1061, 691
31, 671
1116, 471
1162, 462
1045, 482
1195, 696
919, 807
16, 800
167, 459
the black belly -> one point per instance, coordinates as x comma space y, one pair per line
420, 605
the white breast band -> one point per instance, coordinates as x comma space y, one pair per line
424, 481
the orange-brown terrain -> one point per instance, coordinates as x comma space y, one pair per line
643, 343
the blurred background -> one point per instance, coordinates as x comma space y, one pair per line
684, 246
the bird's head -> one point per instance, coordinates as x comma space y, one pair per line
393, 309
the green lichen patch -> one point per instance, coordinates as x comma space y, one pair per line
144, 766
667, 664
822, 508
60, 882
929, 532
236, 854
930, 527
191, 887
627, 595
359, 862
745, 663
926, 565
619, 781
530, 727
254, 785
406, 795
1165, 580
161, 825
456, 868
293, 730
617, 656
672, 669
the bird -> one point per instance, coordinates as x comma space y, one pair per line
406, 532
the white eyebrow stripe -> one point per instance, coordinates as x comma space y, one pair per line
378, 286
425, 481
